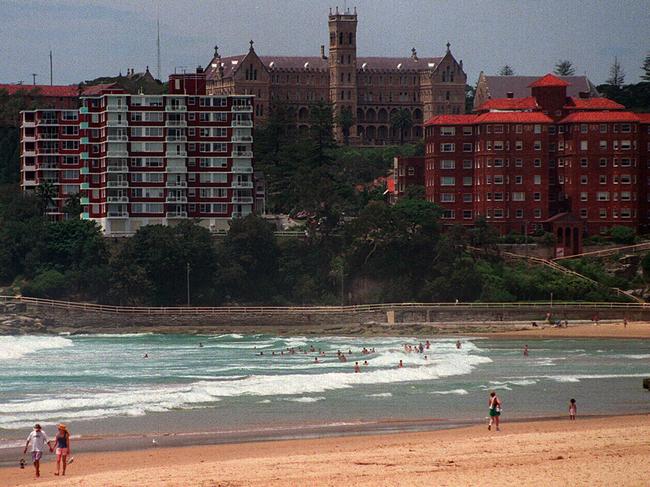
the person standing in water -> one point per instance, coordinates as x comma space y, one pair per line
458, 344
494, 404
573, 409
357, 369
525, 350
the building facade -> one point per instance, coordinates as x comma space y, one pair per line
145, 159
371, 88
520, 162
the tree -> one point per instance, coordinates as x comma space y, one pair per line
616, 75
72, 206
646, 68
45, 192
345, 120
401, 120
564, 67
506, 71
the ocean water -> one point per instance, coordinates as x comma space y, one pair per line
102, 384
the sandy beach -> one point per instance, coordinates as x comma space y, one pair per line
602, 451
638, 330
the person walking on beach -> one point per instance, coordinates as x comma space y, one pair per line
39, 440
494, 403
573, 409
62, 442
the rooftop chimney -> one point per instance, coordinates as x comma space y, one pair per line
583, 94
322, 52
510, 94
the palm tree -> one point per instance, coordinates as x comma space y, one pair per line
45, 192
401, 120
72, 206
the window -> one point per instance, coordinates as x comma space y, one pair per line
467, 214
584, 145
602, 145
467, 130
626, 196
537, 129
467, 181
584, 128
467, 164
626, 179
602, 212
626, 162
537, 163
447, 181
602, 196
518, 129
448, 214
552, 130
538, 213
447, 164
537, 196
519, 179
626, 128
626, 145
603, 128
498, 196
519, 162
519, 145
584, 162
519, 196
447, 147
467, 147
537, 145
498, 213
447, 130
467, 197
537, 179
498, 145
602, 179
498, 163
583, 213
498, 179
519, 213
447, 197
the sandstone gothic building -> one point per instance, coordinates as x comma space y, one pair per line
371, 88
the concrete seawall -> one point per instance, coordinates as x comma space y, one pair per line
58, 318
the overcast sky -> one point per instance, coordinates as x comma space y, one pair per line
95, 38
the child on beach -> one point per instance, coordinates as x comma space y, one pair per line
573, 409
39, 440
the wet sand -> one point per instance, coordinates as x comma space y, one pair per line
602, 451
638, 330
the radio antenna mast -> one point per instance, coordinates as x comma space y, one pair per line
158, 40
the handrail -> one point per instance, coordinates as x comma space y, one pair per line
175, 310
603, 252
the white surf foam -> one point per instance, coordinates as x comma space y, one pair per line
380, 394
15, 347
460, 392
306, 399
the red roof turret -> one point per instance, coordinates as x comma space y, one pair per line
548, 80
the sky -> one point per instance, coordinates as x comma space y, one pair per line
101, 38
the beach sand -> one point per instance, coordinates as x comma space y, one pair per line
589, 330
596, 451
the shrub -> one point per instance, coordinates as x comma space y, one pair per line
48, 284
623, 235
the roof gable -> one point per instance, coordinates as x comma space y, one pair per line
500, 86
548, 80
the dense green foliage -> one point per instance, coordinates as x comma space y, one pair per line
9, 155
636, 97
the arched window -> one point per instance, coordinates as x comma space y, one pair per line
341, 38
332, 38
350, 41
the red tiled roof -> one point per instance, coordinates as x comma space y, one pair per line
644, 117
528, 103
513, 117
548, 80
98, 89
500, 86
592, 104
61, 91
589, 117
451, 120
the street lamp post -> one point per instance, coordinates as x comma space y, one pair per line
188, 284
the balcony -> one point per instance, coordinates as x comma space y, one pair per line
84, 171
236, 214
117, 169
117, 214
176, 138
116, 108
85, 216
43, 136
173, 168
242, 108
48, 121
242, 138
175, 123
176, 199
175, 108
176, 214
242, 123
84, 186
242, 153
30, 123
176, 154
242, 169
117, 199
83, 110
29, 153
117, 123
242, 184
117, 153
176, 184
243, 200
84, 200
118, 138
117, 184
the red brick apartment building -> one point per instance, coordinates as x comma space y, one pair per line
145, 159
521, 162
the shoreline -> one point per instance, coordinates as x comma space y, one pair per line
607, 449
487, 329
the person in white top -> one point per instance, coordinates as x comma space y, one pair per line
39, 440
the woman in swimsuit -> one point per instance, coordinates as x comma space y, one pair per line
63, 449
494, 403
